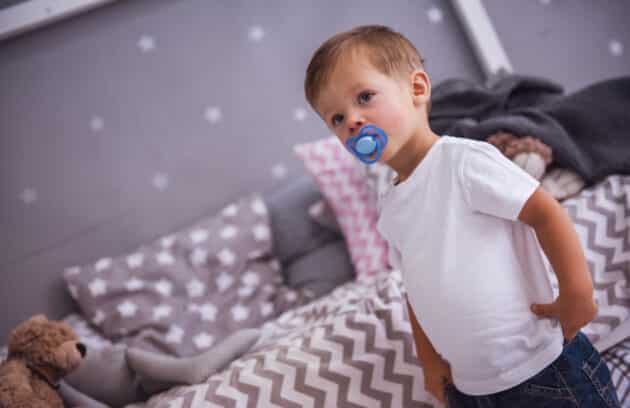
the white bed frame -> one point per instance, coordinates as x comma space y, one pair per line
31, 14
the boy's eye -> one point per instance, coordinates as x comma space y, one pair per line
336, 119
365, 97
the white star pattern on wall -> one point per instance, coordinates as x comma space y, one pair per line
28, 195
203, 340
616, 48
160, 181
175, 334
97, 287
164, 287
97, 123
127, 309
146, 43
299, 114
213, 114
279, 171
195, 288
435, 15
135, 260
256, 33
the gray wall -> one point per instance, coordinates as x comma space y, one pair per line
574, 42
104, 146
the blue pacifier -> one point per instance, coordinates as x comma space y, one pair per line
368, 145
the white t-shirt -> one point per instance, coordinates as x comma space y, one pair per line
470, 267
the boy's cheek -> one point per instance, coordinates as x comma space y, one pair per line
392, 120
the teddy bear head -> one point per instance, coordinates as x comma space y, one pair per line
49, 347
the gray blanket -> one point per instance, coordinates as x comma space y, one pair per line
589, 130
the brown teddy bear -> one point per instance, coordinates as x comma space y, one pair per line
41, 352
534, 157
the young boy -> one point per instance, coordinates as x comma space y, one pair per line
461, 221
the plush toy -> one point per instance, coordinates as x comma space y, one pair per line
530, 154
133, 375
41, 352
534, 157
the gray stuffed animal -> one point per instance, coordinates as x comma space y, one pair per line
133, 375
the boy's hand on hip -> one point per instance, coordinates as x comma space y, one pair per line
437, 374
573, 312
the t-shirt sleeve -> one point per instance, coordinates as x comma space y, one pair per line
493, 184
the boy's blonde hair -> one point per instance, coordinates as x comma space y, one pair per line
388, 51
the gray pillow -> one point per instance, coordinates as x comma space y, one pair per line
186, 292
323, 215
294, 232
322, 269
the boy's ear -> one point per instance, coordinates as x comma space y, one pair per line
420, 87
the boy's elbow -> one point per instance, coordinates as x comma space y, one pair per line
539, 209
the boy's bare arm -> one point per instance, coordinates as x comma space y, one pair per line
437, 371
424, 348
574, 306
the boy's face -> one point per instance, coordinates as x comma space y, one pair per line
357, 94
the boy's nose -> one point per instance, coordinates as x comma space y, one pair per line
355, 126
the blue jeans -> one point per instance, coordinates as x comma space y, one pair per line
577, 378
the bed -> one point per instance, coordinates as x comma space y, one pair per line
335, 331
352, 345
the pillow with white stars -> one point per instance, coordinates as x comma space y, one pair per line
187, 291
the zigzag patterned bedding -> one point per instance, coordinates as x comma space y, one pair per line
352, 348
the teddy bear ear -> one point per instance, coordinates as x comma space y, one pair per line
40, 318
25, 333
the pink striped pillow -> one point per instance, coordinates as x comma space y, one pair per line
342, 180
